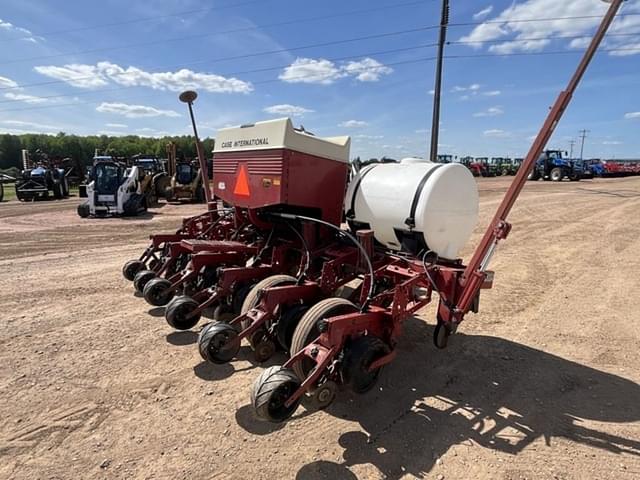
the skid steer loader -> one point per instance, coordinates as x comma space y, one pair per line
115, 189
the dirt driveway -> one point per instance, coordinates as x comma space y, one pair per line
543, 383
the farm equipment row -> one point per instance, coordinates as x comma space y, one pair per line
271, 263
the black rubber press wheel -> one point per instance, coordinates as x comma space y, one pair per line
218, 343
270, 392
179, 313
157, 292
131, 268
142, 278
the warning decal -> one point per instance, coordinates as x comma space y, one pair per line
242, 184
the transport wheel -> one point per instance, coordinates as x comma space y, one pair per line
83, 210
131, 268
556, 174
287, 324
157, 292
178, 311
238, 298
271, 390
253, 297
362, 352
533, 175
218, 343
307, 329
142, 278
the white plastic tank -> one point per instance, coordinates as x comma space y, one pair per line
415, 205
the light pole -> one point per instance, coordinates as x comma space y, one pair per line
188, 97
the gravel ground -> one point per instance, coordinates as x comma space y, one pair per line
542, 383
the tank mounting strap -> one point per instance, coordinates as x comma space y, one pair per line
411, 219
352, 212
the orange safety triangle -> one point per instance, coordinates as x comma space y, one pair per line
242, 184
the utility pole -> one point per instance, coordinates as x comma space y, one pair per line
435, 124
583, 135
571, 144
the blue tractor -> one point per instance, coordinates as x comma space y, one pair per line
553, 165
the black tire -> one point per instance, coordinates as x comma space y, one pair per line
533, 175
307, 329
271, 390
556, 174
58, 191
157, 292
84, 210
223, 313
218, 343
287, 324
142, 278
131, 268
360, 354
1, 192
178, 310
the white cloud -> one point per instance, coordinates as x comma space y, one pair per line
286, 109
309, 70
483, 13
134, 111
101, 74
28, 35
495, 132
21, 97
474, 87
492, 93
517, 35
489, 112
325, 72
39, 126
611, 142
367, 70
368, 137
631, 115
7, 82
353, 124
116, 125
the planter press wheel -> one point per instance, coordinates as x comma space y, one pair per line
157, 292
270, 392
131, 268
142, 278
307, 329
177, 313
218, 343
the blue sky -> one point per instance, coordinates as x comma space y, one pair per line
77, 67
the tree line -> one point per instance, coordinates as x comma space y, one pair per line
83, 147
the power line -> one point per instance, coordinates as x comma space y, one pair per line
303, 47
405, 62
292, 22
241, 72
215, 33
135, 20
238, 57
